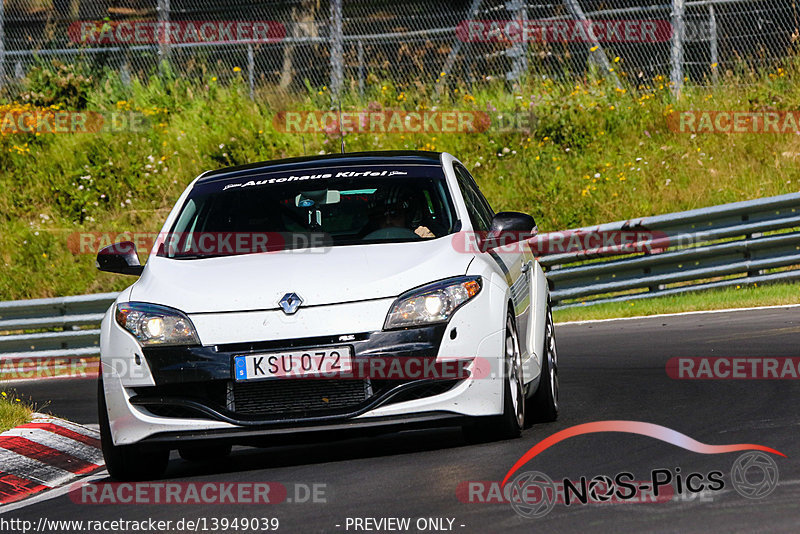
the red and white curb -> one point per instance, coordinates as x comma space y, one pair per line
45, 453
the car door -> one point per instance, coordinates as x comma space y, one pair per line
515, 261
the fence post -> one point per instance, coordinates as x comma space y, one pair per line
451, 57
712, 28
251, 67
518, 51
2, 46
598, 55
337, 48
163, 24
361, 69
125, 72
676, 56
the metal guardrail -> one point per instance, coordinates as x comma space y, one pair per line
50, 330
687, 251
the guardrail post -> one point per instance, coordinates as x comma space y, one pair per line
747, 255
654, 287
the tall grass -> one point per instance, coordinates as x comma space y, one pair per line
13, 412
594, 153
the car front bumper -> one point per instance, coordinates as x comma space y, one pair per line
187, 393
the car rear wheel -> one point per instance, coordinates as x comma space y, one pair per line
510, 424
127, 462
543, 406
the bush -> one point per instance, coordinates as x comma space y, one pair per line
67, 86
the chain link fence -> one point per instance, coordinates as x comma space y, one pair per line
347, 44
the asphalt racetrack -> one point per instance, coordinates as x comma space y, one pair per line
608, 371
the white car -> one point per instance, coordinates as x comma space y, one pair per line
362, 290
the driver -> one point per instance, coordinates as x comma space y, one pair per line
397, 207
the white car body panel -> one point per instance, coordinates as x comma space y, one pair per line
331, 320
339, 274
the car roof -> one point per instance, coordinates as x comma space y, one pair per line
413, 157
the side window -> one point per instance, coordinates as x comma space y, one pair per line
482, 203
480, 213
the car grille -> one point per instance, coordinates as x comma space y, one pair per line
292, 397
278, 399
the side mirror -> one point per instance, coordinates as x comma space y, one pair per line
119, 258
510, 227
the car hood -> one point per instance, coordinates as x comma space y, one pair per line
259, 281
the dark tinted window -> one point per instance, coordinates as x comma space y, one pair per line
348, 206
480, 213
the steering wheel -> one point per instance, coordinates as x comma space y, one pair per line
394, 232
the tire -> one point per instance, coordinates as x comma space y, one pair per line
127, 462
543, 406
510, 423
204, 453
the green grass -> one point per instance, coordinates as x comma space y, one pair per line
13, 412
594, 154
715, 299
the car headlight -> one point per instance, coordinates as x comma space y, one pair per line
433, 303
156, 325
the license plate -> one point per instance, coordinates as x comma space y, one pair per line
330, 362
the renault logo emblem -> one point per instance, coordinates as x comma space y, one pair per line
290, 302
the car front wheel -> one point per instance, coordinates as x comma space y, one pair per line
510, 423
127, 462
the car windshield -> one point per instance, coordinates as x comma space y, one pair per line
311, 208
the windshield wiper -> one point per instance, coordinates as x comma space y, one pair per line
197, 256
